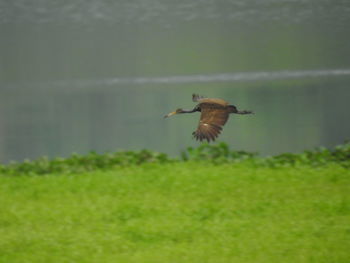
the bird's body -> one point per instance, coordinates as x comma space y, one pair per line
214, 115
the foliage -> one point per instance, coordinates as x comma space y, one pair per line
83, 163
213, 153
317, 157
220, 153
217, 153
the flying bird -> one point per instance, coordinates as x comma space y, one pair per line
214, 115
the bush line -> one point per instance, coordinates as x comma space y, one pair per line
217, 154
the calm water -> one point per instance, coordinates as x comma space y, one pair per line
77, 76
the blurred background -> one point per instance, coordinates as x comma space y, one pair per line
77, 76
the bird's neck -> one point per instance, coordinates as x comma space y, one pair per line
187, 111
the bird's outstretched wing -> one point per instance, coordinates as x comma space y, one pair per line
213, 117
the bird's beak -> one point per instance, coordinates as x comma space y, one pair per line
170, 114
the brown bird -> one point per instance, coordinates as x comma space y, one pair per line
214, 115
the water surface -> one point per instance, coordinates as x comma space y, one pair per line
78, 76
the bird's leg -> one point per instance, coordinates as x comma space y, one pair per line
233, 109
243, 112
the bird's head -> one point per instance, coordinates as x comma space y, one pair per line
173, 113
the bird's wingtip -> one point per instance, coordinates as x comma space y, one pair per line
196, 97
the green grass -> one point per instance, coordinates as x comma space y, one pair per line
178, 212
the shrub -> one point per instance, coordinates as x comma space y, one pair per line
214, 153
83, 163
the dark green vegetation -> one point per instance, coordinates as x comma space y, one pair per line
219, 206
217, 154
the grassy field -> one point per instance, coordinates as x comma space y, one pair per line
179, 212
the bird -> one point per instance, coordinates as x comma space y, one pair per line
214, 115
